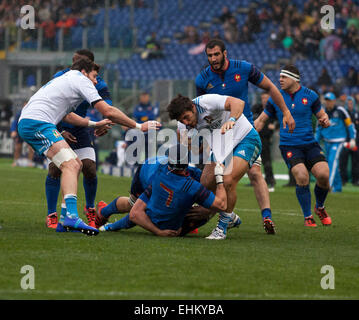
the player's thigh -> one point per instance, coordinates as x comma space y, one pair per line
64, 157
300, 174
235, 171
320, 171
207, 177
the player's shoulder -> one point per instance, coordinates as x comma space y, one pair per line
204, 75
310, 93
239, 64
61, 72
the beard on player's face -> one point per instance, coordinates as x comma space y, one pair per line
218, 64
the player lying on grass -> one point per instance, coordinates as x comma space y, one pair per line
51, 104
299, 149
164, 208
210, 112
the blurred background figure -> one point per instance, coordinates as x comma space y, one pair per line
266, 135
350, 154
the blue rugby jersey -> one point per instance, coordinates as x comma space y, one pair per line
170, 196
81, 110
301, 104
232, 82
151, 165
340, 127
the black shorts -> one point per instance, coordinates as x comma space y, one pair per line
136, 186
83, 137
309, 154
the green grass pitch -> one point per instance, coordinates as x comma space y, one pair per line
134, 264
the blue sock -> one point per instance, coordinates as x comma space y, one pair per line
304, 198
90, 186
267, 213
52, 189
224, 219
124, 223
71, 205
320, 196
110, 209
63, 212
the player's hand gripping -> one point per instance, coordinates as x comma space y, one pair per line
68, 137
228, 125
324, 120
150, 125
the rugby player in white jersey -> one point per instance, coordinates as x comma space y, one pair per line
207, 113
55, 102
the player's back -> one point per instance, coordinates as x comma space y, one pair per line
172, 197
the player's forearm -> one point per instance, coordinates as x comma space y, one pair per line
235, 106
139, 217
76, 120
114, 114
260, 122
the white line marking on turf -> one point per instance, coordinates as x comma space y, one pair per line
188, 295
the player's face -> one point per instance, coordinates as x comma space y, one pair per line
92, 76
189, 118
350, 105
285, 82
216, 58
329, 104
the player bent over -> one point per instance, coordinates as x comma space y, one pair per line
47, 107
162, 208
210, 112
299, 149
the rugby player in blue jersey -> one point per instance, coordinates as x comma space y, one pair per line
231, 77
171, 190
80, 141
299, 149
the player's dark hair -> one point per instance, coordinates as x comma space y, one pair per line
178, 106
215, 42
87, 53
291, 68
85, 64
178, 157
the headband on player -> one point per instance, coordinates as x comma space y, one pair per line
290, 74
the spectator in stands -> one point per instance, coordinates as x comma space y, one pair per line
287, 42
190, 35
349, 153
153, 48
324, 78
297, 49
226, 15
231, 30
253, 21
352, 77
330, 47
312, 41
245, 36
49, 33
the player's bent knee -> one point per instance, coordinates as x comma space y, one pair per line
89, 168
66, 155
54, 172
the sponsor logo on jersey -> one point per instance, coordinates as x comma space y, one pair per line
209, 86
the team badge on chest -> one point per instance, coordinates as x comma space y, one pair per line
237, 77
305, 101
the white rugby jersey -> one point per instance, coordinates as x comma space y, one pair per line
59, 97
212, 115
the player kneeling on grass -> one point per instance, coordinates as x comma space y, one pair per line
54, 102
211, 112
162, 208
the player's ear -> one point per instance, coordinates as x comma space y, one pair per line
83, 71
225, 53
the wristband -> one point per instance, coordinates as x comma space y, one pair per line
138, 126
219, 179
92, 124
232, 119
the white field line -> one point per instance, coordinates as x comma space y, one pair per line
184, 295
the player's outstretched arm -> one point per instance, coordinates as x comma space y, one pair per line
260, 122
138, 216
277, 97
323, 118
117, 116
79, 121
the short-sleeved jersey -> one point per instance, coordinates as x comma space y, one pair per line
232, 82
340, 128
170, 196
151, 165
82, 109
301, 104
211, 114
59, 97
